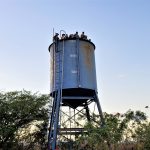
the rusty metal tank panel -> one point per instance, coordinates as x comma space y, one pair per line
72, 66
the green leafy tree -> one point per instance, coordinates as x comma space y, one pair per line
18, 110
142, 136
118, 129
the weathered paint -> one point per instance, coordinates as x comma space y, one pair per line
51, 70
75, 63
87, 63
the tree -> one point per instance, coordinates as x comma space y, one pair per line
118, 128
142, 135
18, 110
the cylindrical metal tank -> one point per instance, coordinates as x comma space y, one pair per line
72, 66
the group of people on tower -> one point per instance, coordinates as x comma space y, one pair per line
71, 36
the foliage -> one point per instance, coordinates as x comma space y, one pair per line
18, 109
24, 117
118, 129
142, 135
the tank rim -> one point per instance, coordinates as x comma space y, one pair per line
72, 39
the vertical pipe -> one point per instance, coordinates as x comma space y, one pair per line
78, 62
70, 120
74, 122
61, 86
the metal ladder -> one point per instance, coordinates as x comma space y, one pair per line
54, 121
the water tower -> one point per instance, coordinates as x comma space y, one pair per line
73, 81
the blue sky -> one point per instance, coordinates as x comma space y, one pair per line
120, 30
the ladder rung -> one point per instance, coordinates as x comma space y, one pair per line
76, 97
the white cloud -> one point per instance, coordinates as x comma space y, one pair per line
120, 76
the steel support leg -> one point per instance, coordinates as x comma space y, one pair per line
99, 109
51, 124
87, 112
54, 122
